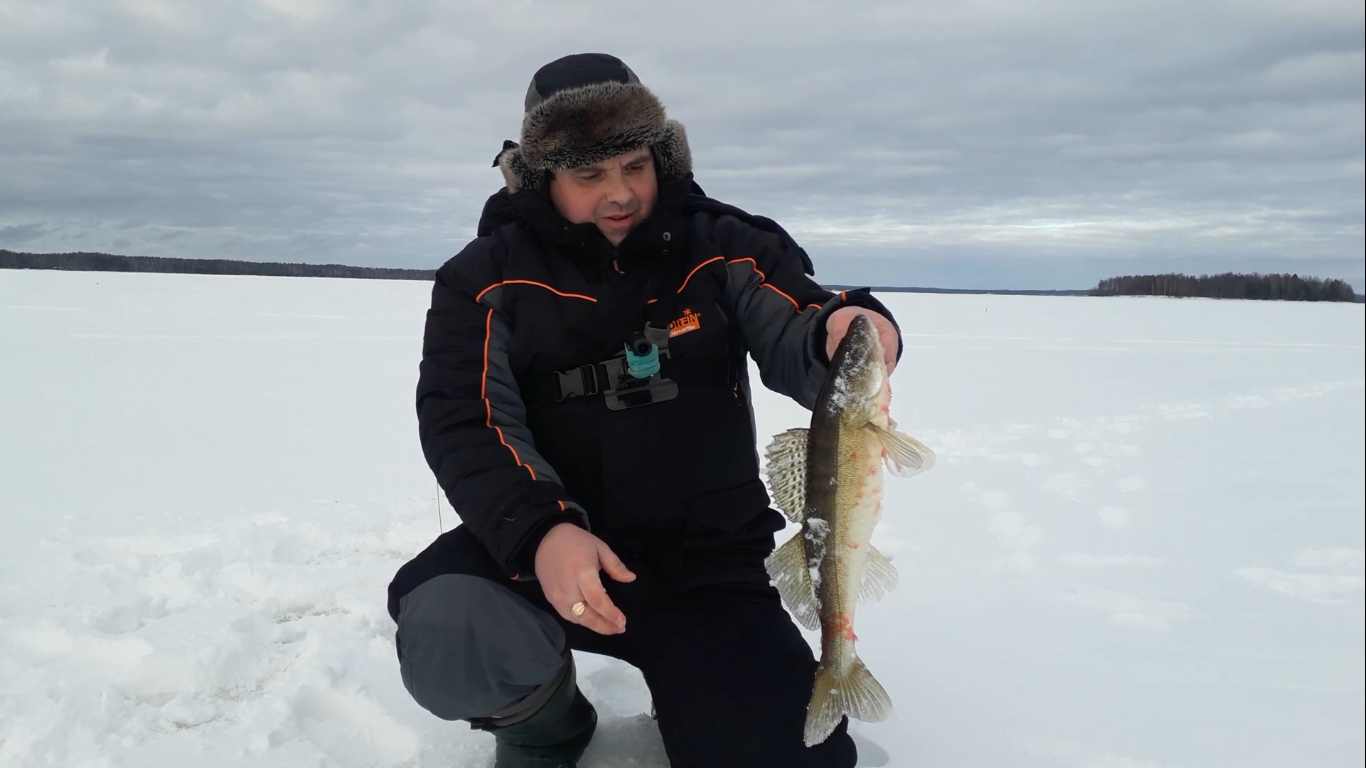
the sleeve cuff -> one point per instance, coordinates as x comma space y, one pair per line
521, 565
854, 297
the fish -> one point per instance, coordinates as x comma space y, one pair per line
828, 477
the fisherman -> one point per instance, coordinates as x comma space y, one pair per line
584, 402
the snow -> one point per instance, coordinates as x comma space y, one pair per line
1141, 546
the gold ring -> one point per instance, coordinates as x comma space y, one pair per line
578, 608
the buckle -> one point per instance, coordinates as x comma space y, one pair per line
578, 382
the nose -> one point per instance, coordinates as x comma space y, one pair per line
618, 191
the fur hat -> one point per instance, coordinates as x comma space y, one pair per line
582, 109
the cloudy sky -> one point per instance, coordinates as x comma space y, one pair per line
986, 143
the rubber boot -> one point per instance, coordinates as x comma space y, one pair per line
554, 736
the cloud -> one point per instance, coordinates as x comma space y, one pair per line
1058, 138
18, 234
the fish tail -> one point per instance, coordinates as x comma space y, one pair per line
857, 694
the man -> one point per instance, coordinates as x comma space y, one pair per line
585, 405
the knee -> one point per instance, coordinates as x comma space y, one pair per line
467, 646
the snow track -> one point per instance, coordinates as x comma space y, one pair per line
264, 644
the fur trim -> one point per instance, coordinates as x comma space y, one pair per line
586, 125
673, 156
515, 173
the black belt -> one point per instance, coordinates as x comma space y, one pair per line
596, 378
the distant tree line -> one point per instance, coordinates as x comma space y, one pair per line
1225, 286
973, 291
1275, 287
105, 262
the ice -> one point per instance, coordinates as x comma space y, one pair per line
1142, 545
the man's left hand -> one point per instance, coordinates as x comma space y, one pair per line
838, 324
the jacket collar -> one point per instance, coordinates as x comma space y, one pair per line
662, 235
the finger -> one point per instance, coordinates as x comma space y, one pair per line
889, 337
613, 564
598, 623
562, 604
563, 597
589, 618
835, 328
833, 336
597, 599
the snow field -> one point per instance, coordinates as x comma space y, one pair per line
1141, 546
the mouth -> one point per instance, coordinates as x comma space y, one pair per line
619, 218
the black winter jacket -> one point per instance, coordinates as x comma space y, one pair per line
677, 480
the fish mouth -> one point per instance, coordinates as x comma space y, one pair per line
858, 377
863, 344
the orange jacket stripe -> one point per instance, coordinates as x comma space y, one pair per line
694, 271
754, 265
763, 281
539, 285
795, 305
488, 404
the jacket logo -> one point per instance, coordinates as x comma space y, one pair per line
690, 321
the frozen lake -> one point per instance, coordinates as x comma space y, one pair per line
1142, 546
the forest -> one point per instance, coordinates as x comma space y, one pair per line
1273, 287
1229, 285
105, 262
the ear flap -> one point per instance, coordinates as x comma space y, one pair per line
515, 173
673, 156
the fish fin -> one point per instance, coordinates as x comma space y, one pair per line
791, 574
903, 455
786, 472
879, 578
857, 694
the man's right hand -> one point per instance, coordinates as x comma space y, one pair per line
567, 564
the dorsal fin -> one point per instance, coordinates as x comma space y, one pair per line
786, 472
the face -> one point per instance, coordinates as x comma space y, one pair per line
615, 194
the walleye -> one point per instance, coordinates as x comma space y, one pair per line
828, 478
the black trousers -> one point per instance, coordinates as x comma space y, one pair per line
729, 671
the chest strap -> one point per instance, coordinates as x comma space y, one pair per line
611, 378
